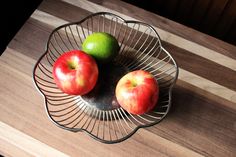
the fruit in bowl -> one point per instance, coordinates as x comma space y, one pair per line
137, 92
75, 72
102, 46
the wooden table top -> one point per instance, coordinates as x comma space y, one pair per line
201, 122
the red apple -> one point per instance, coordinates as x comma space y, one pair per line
137, 92
75, 72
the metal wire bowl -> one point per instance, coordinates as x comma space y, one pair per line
98, 113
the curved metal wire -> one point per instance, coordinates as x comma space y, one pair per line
140, 48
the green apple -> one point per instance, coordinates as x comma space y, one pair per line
102, 46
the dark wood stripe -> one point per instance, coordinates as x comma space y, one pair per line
31, 40
186, 60
168, 25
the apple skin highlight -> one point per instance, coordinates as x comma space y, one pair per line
137, 92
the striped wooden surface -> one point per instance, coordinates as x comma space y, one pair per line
202, 121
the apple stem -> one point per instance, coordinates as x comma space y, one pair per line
134, 83
72, 65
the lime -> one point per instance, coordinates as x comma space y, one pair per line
102, 46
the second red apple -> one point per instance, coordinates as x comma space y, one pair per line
137, 92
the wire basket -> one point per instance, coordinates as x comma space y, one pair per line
98, 112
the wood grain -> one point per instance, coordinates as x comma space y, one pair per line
202, 121
20, 140
200, 66
193, 124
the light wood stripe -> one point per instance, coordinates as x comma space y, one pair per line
47, 18
184, 75
166, 36
9, 150
27, 144
208, 86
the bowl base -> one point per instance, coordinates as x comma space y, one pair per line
102, 96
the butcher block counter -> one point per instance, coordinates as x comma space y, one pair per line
201, 121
